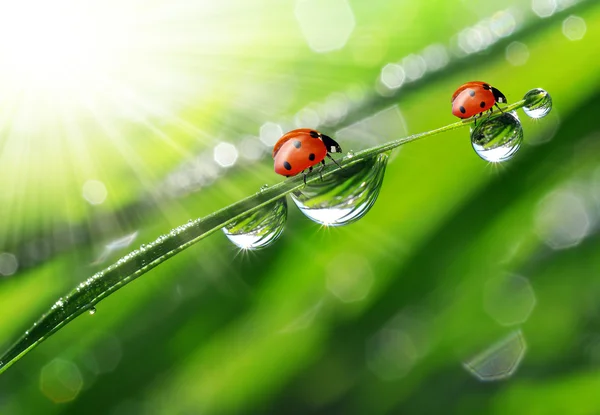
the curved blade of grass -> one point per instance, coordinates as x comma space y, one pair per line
99, 286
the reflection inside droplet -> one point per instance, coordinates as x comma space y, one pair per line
538, 103
498, 139
500, 361
260, 228
345, 196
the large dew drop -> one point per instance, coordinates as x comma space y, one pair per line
498, 139
259, 229
538, 103
345, 196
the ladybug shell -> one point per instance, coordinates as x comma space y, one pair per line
296, 151
472, 100
294, 134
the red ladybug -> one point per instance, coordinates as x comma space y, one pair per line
301, 149
474, 98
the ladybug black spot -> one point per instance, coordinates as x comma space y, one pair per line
482, 104
297, 143
311, 156
287, 165
462, 109
314, 134
486, 87
471, 92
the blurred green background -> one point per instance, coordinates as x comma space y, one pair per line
468, 288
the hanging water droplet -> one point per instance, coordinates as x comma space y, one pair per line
260, 228
538, 103
264, 187
497, 139
92, 311
345, 196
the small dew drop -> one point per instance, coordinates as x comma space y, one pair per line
497, 140
92, 311
260, 228
343, 197
538, 103
350, 154
264, 187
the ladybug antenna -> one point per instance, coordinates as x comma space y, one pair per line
499, 96
331, 144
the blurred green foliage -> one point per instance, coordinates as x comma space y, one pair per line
214, 330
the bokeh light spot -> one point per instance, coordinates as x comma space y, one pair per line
503, 23
60, 381
414, 67
251, 148
387, 124
562, 219
517, 53
94, 192
509, 299
225, 154
392, 75
500, 361
349, 278
574, 28
270, 133
325, 24
307, 118
391, 354
8, 264
435, 57
105, 355
543, 8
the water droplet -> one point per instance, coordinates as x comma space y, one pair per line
92, 311
264, 187
345, 196
497, 139
350, 154
260, 228
538, 103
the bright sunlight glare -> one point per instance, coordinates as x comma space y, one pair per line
61, 44
119, 91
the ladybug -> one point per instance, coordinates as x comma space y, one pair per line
475, 97
301, 149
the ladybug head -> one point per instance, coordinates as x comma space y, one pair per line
499, 96
331, 144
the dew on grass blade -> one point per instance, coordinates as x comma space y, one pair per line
260, 228
538, 103
500, 361
345, 196
92, 311
497, 139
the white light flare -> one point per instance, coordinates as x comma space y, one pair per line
59, 44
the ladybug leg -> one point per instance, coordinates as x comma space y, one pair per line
332, 159
498, 108
304, 174
321, 169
